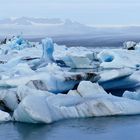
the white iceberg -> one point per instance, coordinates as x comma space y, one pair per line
47, 109
52, 78
119, 79
9, 98
119, 58
76, 57
30, 75
129, 45
18, 43
4, 116
47, 54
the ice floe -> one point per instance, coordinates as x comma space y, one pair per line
4, 116
129, 45
37, 84
93, 102
119, 58
120, 79
53, 79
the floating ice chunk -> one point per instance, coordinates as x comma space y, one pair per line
47, 109
79, 62
12, 97
129, 45
110, 75
87, 89
119, 58
75, 57
119, 79
10, 64
53, 79
4, 116
18, 43
11, 100
48, 49
106, 56
47, 55
33, 109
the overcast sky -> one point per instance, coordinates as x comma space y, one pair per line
95, 12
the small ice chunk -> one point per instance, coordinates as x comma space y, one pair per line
129, 45
88, 89
4, 116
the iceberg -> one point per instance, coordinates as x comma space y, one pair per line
39, 55
10, 64
76, 57
9, 98
53, 78
119, 79
18, 43
4, 116
78, 62
93, 102
47, 54
48, 49
38, 86
119, 58
129, 45
30, 54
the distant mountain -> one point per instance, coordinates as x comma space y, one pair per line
42, 27
30, 21
66, 30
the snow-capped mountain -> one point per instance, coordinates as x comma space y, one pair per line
30, 21
64, 31
41, 27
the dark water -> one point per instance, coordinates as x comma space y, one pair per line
94, 40
101, 128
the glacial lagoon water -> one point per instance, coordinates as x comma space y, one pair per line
101, 128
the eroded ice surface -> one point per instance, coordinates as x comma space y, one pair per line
119, 58
35, 76
53, 79
85, 103
4, 116
120, 79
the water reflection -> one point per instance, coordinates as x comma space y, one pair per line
97, 128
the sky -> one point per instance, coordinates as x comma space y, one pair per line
91, 12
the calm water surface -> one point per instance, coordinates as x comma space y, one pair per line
101, 128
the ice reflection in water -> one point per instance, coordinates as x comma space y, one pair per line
123, 127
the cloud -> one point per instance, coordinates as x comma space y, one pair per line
85, 11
